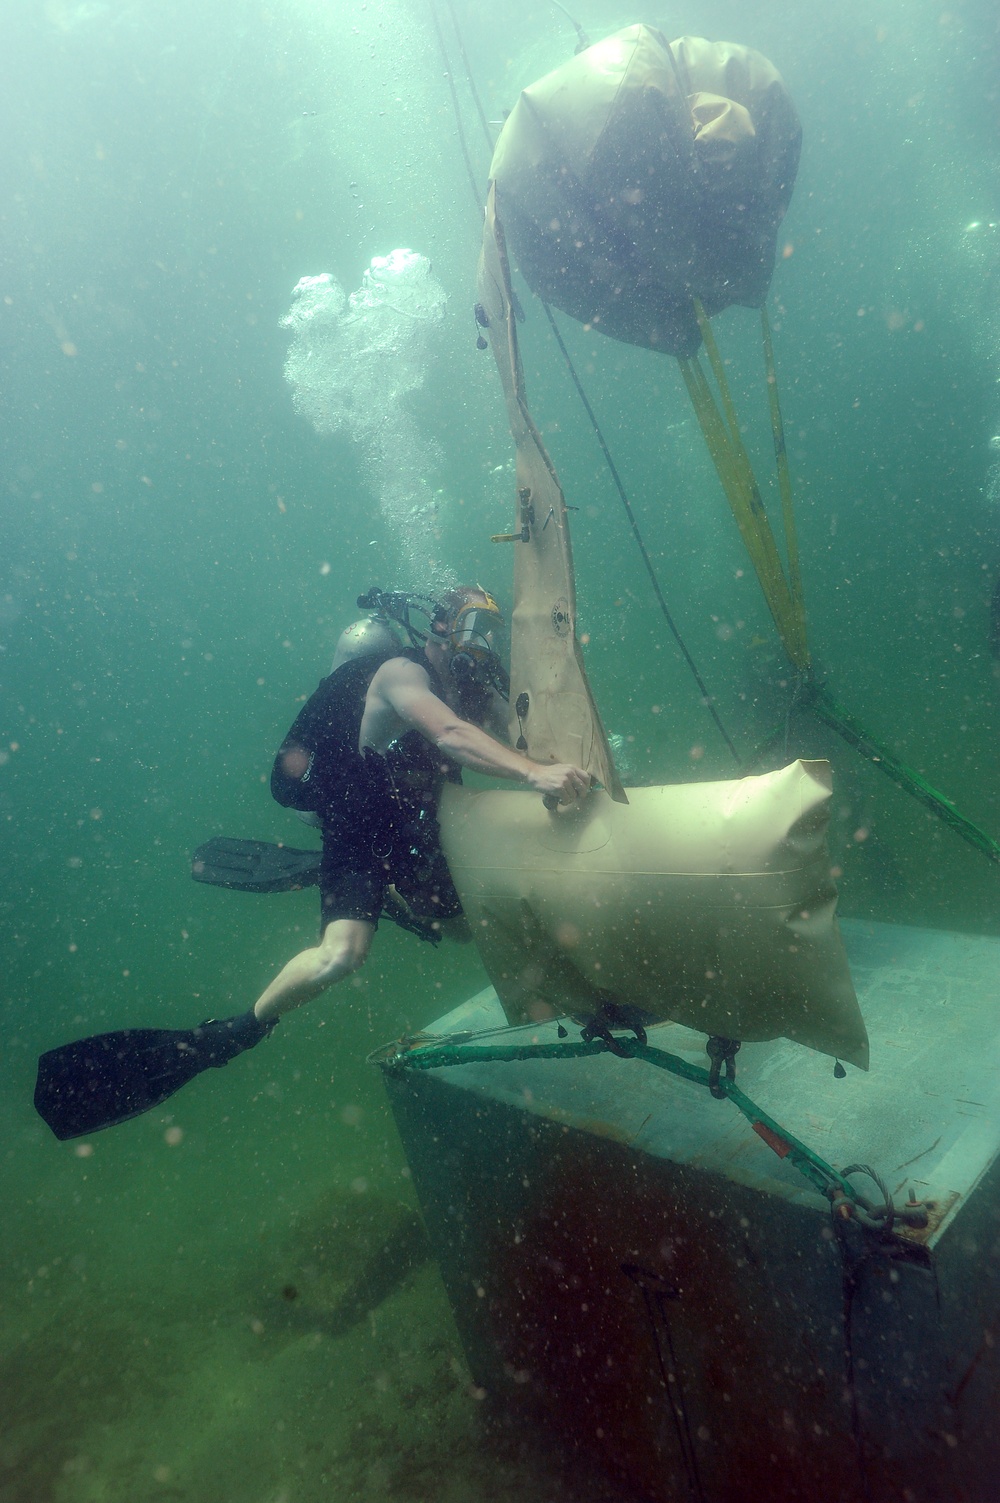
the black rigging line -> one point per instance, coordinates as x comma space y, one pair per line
487, 133
706, 697
582, 40
476, 191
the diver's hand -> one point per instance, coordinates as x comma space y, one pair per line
558, 781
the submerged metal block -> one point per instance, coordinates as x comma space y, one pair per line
629, 1263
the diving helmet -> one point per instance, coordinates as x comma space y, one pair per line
475, 629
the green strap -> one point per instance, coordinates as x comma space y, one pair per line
821, 1175
812, 697
855, 735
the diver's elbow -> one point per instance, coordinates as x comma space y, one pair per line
452, 738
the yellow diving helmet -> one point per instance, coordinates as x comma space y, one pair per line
477, 628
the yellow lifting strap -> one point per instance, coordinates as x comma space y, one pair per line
784, 478
721, 432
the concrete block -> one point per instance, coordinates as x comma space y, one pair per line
632, 1267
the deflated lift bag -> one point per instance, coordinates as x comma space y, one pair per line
707, 904
645, 172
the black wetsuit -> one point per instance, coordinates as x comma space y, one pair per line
378, 813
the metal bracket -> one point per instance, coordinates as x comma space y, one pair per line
527, 512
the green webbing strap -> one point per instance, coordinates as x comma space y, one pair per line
822, 1176
814, 697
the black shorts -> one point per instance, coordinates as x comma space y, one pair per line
355, 874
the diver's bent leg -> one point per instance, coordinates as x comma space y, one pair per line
343, 948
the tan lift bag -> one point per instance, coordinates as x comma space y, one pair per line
644, 173
707, 904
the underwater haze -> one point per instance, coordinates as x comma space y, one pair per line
230, 1299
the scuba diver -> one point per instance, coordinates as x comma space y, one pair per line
366, 756
368, 752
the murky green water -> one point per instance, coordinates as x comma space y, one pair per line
180, 552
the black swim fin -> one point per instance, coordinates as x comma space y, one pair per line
254, 865
100, 1081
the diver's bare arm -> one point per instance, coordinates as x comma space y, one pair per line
405, 687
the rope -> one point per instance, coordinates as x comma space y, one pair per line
784, 477
655, 1292
714, 433
487, 134
706, 696
785, 597
725, 444
810, 695
821, 1175
854, 733
582, 40
473, 183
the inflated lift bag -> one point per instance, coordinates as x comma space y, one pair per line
707, 904
644, 171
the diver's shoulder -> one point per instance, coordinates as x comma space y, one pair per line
402, 668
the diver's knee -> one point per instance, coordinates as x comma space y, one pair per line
341, 953
343, 960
